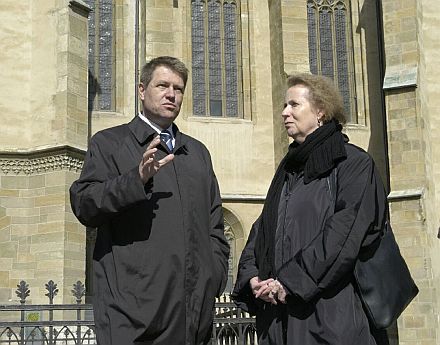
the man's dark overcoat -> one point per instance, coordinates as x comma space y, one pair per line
161, 255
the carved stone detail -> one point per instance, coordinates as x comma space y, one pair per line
46, 161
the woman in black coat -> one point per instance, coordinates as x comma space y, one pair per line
296, 271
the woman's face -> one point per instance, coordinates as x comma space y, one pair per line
299, 115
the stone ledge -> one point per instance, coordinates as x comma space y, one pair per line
415, 193
396, 78
242, 197
80, 7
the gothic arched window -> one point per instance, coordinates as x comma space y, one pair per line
101, 55
330, 47
216, 79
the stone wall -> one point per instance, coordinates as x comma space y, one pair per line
410, 159
40, 240
41, 152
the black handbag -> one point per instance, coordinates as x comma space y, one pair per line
383, 280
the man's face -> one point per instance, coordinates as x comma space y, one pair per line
162, 97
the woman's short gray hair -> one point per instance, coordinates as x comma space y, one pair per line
323, 94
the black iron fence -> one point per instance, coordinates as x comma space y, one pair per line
50, 324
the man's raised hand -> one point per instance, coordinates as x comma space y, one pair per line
149, 166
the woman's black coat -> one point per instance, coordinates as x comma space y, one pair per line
317, 241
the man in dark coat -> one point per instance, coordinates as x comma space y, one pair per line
161, 255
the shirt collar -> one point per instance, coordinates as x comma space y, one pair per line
156, 127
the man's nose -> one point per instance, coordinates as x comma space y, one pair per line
170, 92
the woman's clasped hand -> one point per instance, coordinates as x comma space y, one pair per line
269, 290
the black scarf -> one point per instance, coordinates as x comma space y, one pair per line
316, 156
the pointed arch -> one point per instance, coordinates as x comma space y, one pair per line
233, 231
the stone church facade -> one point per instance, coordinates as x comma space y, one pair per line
70, 68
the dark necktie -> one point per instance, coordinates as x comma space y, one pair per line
165, 136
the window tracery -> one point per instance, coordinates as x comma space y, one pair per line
215, 37
330, 47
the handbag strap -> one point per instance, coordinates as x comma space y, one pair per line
332, 184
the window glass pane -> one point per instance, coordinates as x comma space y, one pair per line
92, 28
105, 53
329, 35
101, 59
313, 49
215, 107
326, 43
231, 73
342, 58
214, 52
215, 58
198, 58
92, 74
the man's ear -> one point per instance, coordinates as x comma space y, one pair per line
141, 90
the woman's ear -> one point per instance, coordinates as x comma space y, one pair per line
320, 117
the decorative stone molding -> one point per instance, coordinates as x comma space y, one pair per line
33, 162
229, 233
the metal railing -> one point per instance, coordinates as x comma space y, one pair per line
72, 324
